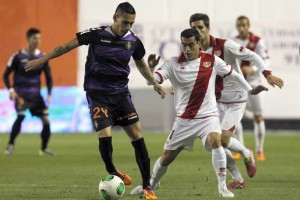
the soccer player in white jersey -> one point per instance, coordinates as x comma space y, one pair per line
254, 43
231, 98
193, 76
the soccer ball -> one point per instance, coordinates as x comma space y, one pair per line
111, 188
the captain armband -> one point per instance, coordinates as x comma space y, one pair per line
59, 51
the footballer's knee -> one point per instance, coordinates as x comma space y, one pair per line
168, 157
258, 118
134, 131
214, 140
225, 137
106, 132
45, 119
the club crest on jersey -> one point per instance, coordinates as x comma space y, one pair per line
218, 53
207, 64
128, 45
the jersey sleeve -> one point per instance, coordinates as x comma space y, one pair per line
139, 51
226, 71
163, 73
243, 53
87, 36
262, 50
11, 66
222, 68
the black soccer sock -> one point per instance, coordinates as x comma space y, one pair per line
45, 135
16, 129
143, 160
106, 150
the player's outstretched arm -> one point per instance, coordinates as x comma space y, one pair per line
147, 74
58, 51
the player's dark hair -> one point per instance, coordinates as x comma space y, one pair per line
125, 7
242, 17
31, 32
200, 16
187, 33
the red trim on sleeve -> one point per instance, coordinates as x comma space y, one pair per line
228, 72
161, 77
266, 73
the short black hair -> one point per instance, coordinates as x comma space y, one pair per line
187, 33
32, 31
242, 17
200, 16
125, 7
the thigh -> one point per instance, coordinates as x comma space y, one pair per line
233, 115
125, 113
100, 113
37, 106
256, 102
207, 126
181, 136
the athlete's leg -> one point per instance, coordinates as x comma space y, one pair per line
141, 153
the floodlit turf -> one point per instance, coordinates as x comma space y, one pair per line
77, 169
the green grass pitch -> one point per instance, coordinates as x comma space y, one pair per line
77, 169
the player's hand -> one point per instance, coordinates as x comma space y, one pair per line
171, 90
258, 89
247, 70
13, 95
48, 99
273, 80
32, 64
153, 61
160, 90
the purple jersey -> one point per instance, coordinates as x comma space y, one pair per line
27, 82
106, 68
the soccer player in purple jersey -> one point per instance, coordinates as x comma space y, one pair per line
106, 86
25, 90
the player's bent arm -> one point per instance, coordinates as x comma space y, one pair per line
6, 74
58, 51
145, 71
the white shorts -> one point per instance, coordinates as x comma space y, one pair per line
231, 114
255, 103
185, 131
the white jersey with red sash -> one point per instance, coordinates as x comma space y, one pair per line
194, 84
256, 44
228, 90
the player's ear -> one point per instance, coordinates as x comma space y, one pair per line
115, 17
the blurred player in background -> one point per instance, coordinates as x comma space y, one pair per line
193, 76
230, 96
256, 44
25, 90
106, 86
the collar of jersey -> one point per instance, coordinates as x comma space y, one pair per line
182, 58
108, 29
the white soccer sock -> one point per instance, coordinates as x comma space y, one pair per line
232, 168
219, 163
236, 146
158, 172
259, 134
239, 133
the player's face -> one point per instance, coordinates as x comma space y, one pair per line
242, 27
201, 28
190, 48
34, 41
122, 23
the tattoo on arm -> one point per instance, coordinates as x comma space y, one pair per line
59, 51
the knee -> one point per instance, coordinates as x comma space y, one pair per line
258, 118
20, 118
225, 138
45, 119
214, 140
166, 159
